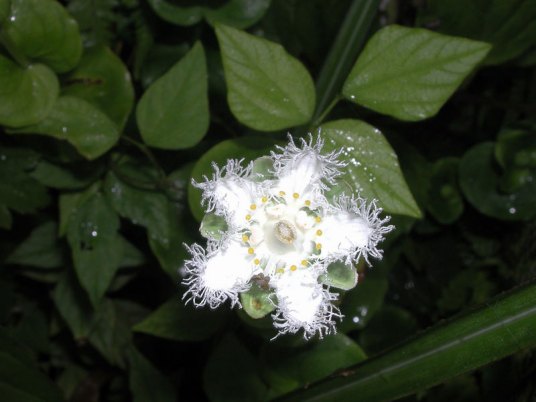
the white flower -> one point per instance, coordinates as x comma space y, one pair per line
286, 229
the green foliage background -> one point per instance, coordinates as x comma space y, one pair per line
108, 109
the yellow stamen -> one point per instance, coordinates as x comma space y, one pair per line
293, 267
248, 217
319, 232
318, 246
282, 193
296, 195
304, 263
257, 261
251, 250
279, 270
253, 206
245, 238
318, 219
307, 203
264, 199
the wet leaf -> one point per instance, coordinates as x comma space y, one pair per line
45, 33
409, 73
26, 95
103, 80
268, 89
84, 126
173, 112
373, 169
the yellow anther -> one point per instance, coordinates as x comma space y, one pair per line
251, 250
296, 195
264, 199
319, 232
307, 203
293, 267
318, 246
253, 206
318, 219
256, 261
279, 270
282, 193
245, 238
304, 263
248, 217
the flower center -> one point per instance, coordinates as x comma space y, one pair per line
285, 232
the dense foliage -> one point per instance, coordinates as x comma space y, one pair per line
108, 109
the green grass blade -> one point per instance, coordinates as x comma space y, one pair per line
506, 325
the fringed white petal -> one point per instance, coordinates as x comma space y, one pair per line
229, 193
304, 304
352, 228
303, 169
217, 274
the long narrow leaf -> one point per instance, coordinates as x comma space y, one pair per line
504, 326
343, 53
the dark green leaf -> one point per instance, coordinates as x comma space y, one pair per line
173, 112
502, 327
95, 18
248, 148
146, 383
69, 177
110, 331
6, 219
40, 249
175, 14
73, 306
18, 191
72, 119
388, 327
445, 202
104, 81
373, 168
26, 95
20, 379
362, 303
507, 24
44, 32
268, 89
179, 322
237, 13
258, 302
232, 375
69, 203
149, 208
479, 181
409, 73
95, 244
290, 368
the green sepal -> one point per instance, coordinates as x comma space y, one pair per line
213, 226
340, 276
262, 169
340, 187
257, 301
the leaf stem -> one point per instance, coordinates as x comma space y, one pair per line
326, 112
343, 53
